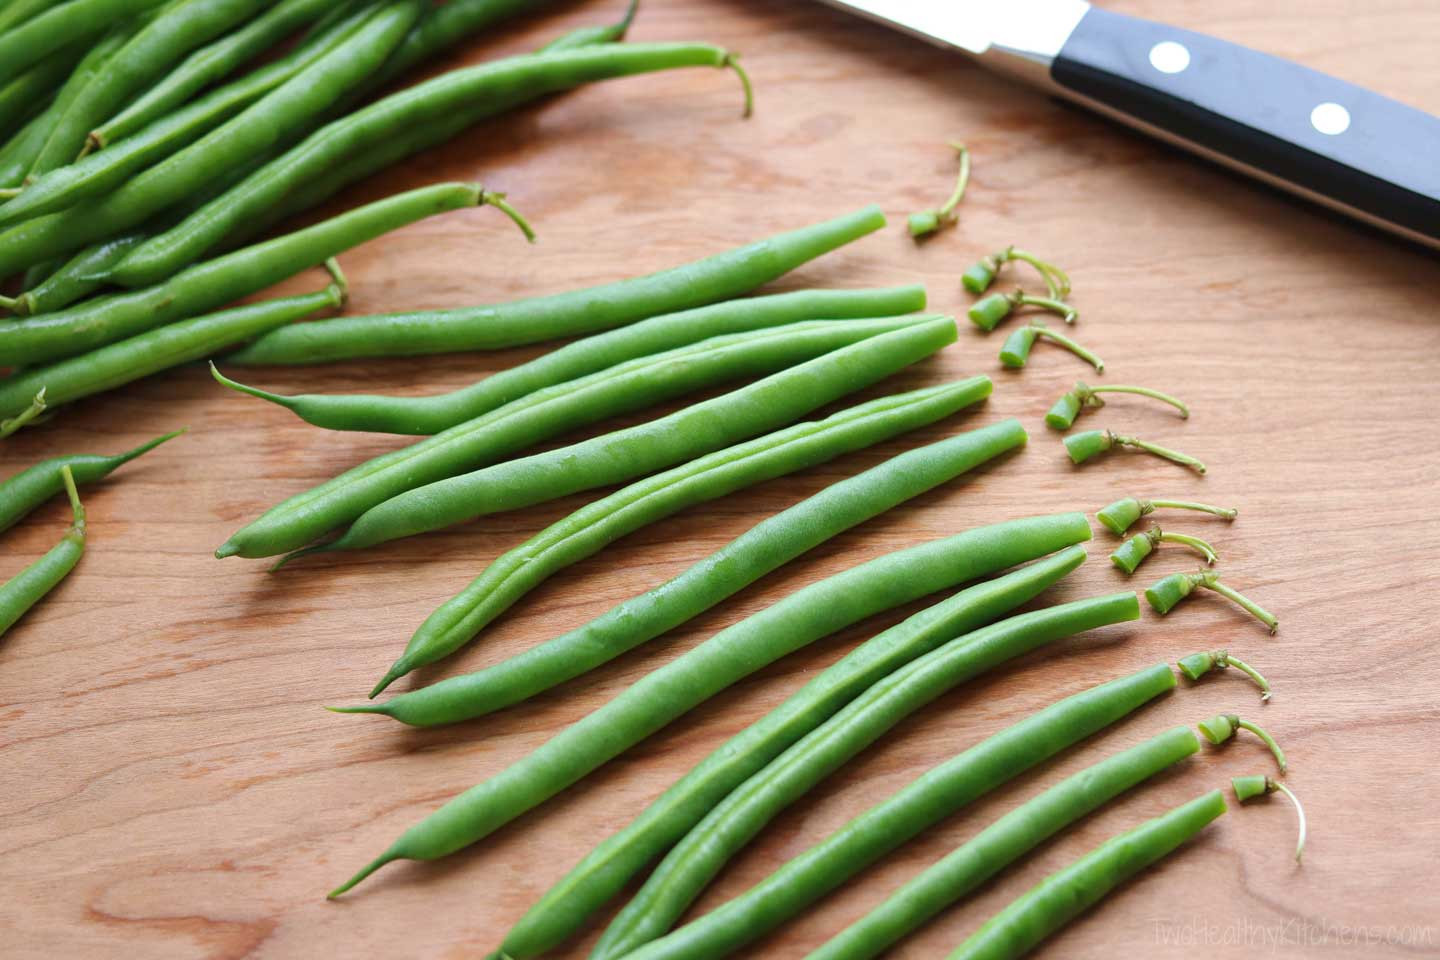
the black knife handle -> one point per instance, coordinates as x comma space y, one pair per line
1380, 162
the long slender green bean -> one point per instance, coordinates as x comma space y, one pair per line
697, 859
444, 26
1003, 842
28, 94
635, 451
30, 488
17, 12
768, 545
924, 802
26, 588
76, 278
432, 414
719, 277
42, 35
1069, 892
669, 692
605, 871
211, 284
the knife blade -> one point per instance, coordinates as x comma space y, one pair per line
1313, 135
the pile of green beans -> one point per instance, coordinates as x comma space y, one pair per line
1003, 842
936, 794
536, 319
26, 588
669, 692
605, 871
1069, 892
432, 414
425, 501
765, 547
734, 822
28, 489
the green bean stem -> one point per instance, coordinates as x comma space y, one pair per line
1130, 554
1016, 350
1121, 515
432, 414
1196, 665
1164, 594
30, 488
1247, 788
585, 532
1089, 443
1222, 727
26, 588
28, 412
606, 870
1003, 842
987, 312
697, 859
674, 689
927, 222
978, 278
1062, 414
934, 795
1070, 891
657, 444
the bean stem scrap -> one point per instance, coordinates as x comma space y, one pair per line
1247, 788
1223, 727
1164, 594
1084, 446
930, 221
1197, 665
1016, 351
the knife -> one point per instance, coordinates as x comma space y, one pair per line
1323, 139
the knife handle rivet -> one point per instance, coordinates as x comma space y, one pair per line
1330, 119
1167, 56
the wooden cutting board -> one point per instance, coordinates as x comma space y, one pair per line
170, 787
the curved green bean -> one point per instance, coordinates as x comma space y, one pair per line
1003, 842
457, 99
432, 414
923, 803
30, 488
1069, 892
606, 870
767, 546
723, 276
697, 859
211, 284
45, 33
29, 586
672, 690
635, 451
155, 350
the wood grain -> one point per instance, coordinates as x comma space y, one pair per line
170, 787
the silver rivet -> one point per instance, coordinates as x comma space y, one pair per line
1167, 56
1330, 119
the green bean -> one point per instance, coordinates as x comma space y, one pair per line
76, 278
1069, 892
670, 691
209, 64
697, 859
150, 352
99, 173
929, 221
28, 94
606, 870
1164, 594
628, 386
456, 99
446, 25
268, 123
588, 36
432, 414
1130, 554
1016, 351
924, 802
1088, 444
1003, 842
1122, 514
211, 284
29, 586
30, 488
720, 277
1063, 412
18, 11
635, 451
42, 35
765, 547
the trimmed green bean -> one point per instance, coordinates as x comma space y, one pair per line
606, 870
456, 99
29, 586
30, 488
211, 284
40, 36
923, 803
723, 276
1122, 514
432, 414
669, 692
1069, 892
697, 859
767, 546
1003, 842
150, 352
635, 451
